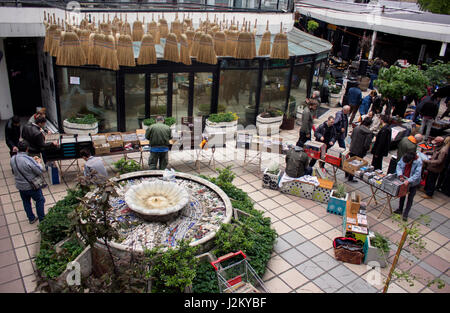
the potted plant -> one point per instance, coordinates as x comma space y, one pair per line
222, 123
272, 176
338, 200
289, 117
312, 26
169, 121
269, 122
376, 249
83, 125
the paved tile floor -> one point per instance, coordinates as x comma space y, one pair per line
303, 258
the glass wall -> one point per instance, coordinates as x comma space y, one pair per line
180, 98
274, 88
85, 91
134, 101
237, 93
203, 83
300, 79
319, 74
158, 94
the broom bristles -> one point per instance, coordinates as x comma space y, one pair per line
231, 43
264, 47
190, 38
70, 52
55, 43
171, 48
109, 59
138, 31
206, 53
185, 58
220, 43
244, 49
153, 29
125, 54
280, 48
147, 53
84, 41
196, 43
163, 28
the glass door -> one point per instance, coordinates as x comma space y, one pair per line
180, 96
158, 94
134, 101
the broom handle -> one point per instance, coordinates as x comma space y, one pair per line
267, 26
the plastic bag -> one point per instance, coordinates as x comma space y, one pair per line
169, 174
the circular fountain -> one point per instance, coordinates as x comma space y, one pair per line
151, 212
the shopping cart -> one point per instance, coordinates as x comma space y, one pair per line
237, 277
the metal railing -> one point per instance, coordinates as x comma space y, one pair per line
163, 5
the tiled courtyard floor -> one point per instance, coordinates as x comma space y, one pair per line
303, 258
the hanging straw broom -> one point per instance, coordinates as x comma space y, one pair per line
253, 41
176, 27
280, 48
70, 52
147, 53
244, 49
49, 37
125, 53
185, 57
109, 56
190, 38
196, 43
126, 28
84, 41
231, 44
264, 46
220, 42
163, 27
153, 29
206, 53
171, 48
55, 42
138, 29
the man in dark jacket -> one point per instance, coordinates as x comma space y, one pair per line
307, 122
34, 135
435, 165
428, 108
354, 100
341, 125
159, 135
12, 134
361, 141
382, 142
325, 133
297, 163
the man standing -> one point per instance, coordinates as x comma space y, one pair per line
409, 169
159, 135
307, 122
382, 142
354, 100
361, 141
408, 144
429, 108
367, 102
12, 134
341, 125
25, 169
94, 166
34, 135
325, 133
435, 165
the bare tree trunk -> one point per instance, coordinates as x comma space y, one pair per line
394, 263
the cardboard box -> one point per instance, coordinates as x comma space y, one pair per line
130, 137
353, 164
101, 149
114, 139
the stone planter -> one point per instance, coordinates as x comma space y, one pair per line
268, 126
229, 128
374, 254
80, 129
288, 123
337, 205
271, 180
85, 261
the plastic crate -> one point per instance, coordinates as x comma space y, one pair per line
313, 154
299, 189
332, 160
337, 206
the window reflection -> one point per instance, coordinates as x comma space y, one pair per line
158, 94
237, 93
299, 85
134, 101
85, 91
202, 94
180, 98
319, 75
274, 89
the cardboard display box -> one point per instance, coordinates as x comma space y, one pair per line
353, 164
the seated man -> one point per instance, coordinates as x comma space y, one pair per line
296, 165
94, 166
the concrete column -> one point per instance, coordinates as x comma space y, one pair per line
372, 44
6, 109
443, 48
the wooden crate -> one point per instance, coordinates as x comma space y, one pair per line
113, 140
350, 168
322, 192
130, 137
102, 149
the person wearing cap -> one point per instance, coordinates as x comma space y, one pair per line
435, 165
408, 144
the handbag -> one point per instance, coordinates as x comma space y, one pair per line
37, 182
348, 250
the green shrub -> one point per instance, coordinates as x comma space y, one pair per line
87, 119
169, 121
271, 112
223, 117
127, 166
205, 280
52, 264
312, 25
149, 121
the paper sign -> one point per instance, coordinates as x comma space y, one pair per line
74, 80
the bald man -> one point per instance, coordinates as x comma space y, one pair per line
341, 125
408, 144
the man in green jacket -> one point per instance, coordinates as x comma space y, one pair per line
159, 135
408, 144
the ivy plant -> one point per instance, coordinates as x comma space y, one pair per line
127, 166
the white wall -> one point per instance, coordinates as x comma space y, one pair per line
6, 110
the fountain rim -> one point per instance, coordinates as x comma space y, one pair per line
160, 173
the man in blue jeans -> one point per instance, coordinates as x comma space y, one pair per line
341, 125
25, 169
